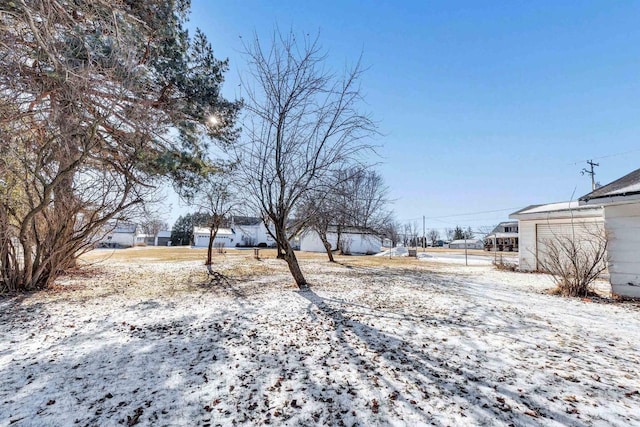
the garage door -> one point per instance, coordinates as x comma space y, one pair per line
560, 234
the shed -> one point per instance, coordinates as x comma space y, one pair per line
352, 240
537, 224
468, 244
620, 201
162, 238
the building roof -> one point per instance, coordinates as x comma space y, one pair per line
348, 229
462, 241
498, 228
501, 235
221, 231
246, 220
123, 227
623, 188
553, 209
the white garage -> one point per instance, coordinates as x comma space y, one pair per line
352, 241
621, 202
539, 225
224, 238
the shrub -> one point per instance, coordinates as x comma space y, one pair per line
575, 261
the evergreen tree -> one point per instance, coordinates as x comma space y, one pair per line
182, 230
458, 233
99, 102
461, 234
468, 234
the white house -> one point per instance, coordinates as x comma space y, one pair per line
120, 234
620, 201
251, 231
352, 240
469, 243
225, 237
504, 237
538, 224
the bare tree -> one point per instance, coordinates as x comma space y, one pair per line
575, 259
485, 230
321, 213
302, 125
410, 234
152, 224
449, 233
363, 198
357, 199
433, 235
99, 101
391, 230
216, 198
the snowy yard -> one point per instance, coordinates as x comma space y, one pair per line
374, 342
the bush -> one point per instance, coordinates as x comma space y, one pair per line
575, 261
501, 265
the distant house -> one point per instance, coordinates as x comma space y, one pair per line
538, 224
504, 237
119, 235
251, 231
352, 240
225, 237
469, 244
620, 205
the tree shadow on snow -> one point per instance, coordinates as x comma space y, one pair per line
423, 383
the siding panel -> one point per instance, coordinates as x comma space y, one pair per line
622, 223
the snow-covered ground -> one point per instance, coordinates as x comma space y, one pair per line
453, 257
404, 343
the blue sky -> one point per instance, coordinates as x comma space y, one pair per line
483, 106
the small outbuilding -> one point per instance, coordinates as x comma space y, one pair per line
468, 243
539, 224
353, 240
620, 204
163, 238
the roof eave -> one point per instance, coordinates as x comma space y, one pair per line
615, 199
584, 212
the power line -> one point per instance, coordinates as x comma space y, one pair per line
604, 157
461, 214
474, 213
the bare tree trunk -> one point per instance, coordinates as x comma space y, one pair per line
281, 251
294, 267
212, 236
327, 247
290, 258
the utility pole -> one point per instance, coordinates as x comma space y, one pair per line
423, 235
466, 261
590, 172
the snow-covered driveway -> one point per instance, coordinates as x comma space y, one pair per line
408, 344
